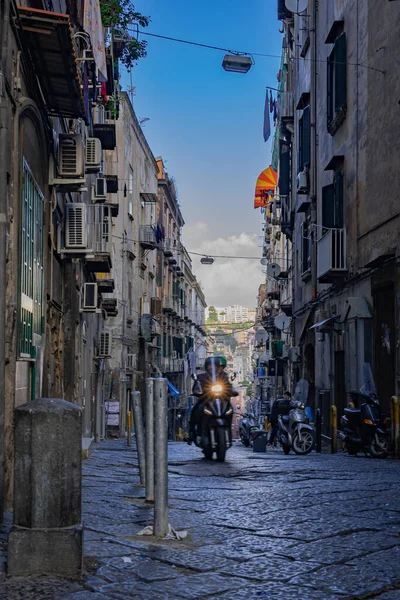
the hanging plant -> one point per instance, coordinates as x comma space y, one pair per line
120, 15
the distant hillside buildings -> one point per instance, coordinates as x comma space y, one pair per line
232, 314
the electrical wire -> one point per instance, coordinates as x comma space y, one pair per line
261, 54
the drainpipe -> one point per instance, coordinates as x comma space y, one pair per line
4, 159
314, 145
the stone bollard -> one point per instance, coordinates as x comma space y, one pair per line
47, 532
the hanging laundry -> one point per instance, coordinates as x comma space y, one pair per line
104, 92
271, 102
267, 124
275, 112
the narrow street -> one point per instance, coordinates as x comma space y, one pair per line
260, 526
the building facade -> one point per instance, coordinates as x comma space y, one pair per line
338, 176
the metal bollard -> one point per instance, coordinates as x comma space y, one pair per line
150, 440
318, 432
129, 425
395, 424
160, 457
139, 433
333, 429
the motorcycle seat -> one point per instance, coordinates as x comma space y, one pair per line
352, 411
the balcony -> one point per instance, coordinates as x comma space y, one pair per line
168, 248
104, 128
109, 303
147, 237
169, 304
105, 283
171, 365
331, 263
287, 106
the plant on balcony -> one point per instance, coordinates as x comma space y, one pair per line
120, 15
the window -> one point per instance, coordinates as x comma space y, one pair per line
306, 249
337, 85
31, 266
304, 140
332, 204
284, 168
130, 193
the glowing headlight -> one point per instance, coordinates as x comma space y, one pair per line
216, 388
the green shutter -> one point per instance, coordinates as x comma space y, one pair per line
338, 202
329, 88
284, 168
306, 141
340, 52
328, 206
31, 265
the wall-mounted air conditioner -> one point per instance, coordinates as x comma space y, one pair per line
76, 230
100, 190
71, 157
105, 344
94, 155
302, 183
89, 297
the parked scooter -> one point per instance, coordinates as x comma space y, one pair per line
364, 428
294, 431
247, 428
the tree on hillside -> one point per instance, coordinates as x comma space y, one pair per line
212, 315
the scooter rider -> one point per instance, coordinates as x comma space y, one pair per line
214, 373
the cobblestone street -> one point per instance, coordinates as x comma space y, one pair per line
260, 526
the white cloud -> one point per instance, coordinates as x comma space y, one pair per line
227, 281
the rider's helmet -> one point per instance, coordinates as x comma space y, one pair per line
222, 361
212, 361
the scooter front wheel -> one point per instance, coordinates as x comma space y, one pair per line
221, 444
378, 448
305, 444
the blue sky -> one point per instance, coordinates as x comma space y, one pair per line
207, 124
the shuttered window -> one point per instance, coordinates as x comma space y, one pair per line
284, 168
332, 203
304, 139
31, 271
337, 82
306, 249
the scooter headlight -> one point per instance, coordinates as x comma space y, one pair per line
216, 388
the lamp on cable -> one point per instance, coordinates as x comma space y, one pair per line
237, 63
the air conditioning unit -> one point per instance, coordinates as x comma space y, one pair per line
71, 158
302, 183
174, 355
94, 155
105, 344
89, 297
100, 190
131, 362
76, 229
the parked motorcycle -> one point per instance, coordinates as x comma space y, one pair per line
215, 430
294, 431
247, 428
364, 428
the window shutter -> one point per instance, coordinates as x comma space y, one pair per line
284, 168
340, 52
300, 162
338, 202
329, 78
328, 208
306, 136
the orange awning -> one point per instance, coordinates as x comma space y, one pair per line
265, 187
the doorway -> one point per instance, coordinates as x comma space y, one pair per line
340, 386
384, 345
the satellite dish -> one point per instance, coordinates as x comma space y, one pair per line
296, 6
264, 261
282, 321
255, 356
273, 270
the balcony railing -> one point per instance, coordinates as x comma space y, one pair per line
168, 304
331, 261
147, 237
287, 105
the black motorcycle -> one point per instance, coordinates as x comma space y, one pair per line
247, 428
364, 428
215, 429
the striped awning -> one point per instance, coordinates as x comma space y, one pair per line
265, 187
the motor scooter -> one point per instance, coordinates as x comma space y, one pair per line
247, 428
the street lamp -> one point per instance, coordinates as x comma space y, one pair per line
237, 63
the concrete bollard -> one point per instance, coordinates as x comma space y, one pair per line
139, 433
333, 429
47, 532
160, 457
150, 440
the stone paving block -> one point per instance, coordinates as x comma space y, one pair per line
271, 568
196, 587
142, 567
86, 595
267, 592
102, 548
393, 595
34, 588
365, 575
